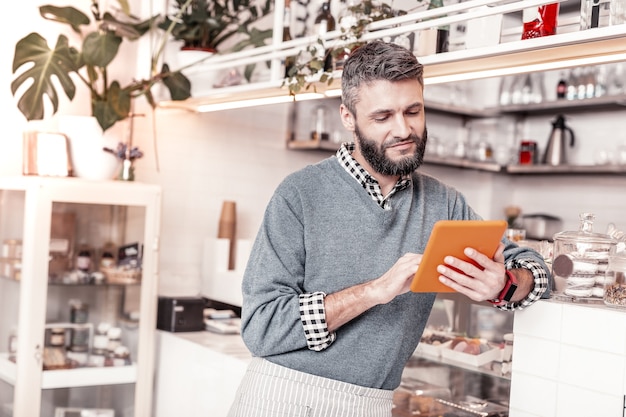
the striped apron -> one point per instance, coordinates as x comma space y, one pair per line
269, 390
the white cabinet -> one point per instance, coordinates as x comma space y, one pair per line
198, 373
52, 217
569, 361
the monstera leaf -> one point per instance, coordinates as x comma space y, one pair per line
46, 64
36, 65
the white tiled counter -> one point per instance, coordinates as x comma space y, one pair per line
569, 360
198, 373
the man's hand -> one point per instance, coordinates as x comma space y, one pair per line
344, 305
468, 279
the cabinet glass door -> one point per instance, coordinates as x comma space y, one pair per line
11, 235
92, 309
78, 284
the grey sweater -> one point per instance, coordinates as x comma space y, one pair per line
323, 232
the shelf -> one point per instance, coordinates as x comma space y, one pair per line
77, 377
527, 169
550, 107
464, 163
324, 145
566, 50
491, 369
566, 169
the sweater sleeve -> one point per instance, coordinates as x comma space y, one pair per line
519, 257
273, 282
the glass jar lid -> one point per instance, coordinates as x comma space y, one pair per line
585, 233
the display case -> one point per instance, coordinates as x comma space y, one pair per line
439, 378
78, 278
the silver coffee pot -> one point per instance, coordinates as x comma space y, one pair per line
556, 150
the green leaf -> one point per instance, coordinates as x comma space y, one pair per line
68, 15
178, 85
47, 65
112, 109
99, 49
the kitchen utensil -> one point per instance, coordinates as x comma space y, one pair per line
541, 226
555, 153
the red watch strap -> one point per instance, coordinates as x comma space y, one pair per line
509, 289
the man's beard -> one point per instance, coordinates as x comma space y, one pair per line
375, 154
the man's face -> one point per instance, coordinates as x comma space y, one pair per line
390, 128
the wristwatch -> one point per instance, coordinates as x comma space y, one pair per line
509, 289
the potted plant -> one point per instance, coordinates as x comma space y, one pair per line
89, 61
358, 15
204, 25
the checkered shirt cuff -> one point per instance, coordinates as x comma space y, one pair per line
313, 318
541, 279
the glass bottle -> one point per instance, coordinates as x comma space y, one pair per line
289, 61
319, 128
595, 13
325, 22
443, 32
561, 87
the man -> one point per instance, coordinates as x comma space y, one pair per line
327, 310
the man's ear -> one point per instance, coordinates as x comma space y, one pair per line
347, 118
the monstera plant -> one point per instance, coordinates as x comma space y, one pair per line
38, 67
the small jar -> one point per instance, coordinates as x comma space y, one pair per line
615, 281
115, 339
528, 152
83, 260
57, 337
121, 356
79, 311
79, 341
101, 339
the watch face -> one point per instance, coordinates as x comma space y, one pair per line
510, 291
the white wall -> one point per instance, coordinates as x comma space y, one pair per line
240, 155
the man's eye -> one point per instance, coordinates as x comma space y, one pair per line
381, 118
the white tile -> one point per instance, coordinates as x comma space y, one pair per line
533, 395
597, 328
592, 370
520, 413
577, 402
542, 319
536, 356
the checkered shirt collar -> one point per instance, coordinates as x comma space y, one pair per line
371, 185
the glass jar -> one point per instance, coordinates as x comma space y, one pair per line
615, 281
580, 261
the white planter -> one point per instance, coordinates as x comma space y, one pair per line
87, 141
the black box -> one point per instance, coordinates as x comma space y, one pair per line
180, 314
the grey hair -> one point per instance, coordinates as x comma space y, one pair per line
374, 61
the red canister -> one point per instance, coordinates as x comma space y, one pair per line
528, 152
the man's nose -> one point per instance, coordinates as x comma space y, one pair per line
401, 127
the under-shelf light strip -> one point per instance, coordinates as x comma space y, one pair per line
522, 69
283, 98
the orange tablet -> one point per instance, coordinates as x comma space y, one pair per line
451, 237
